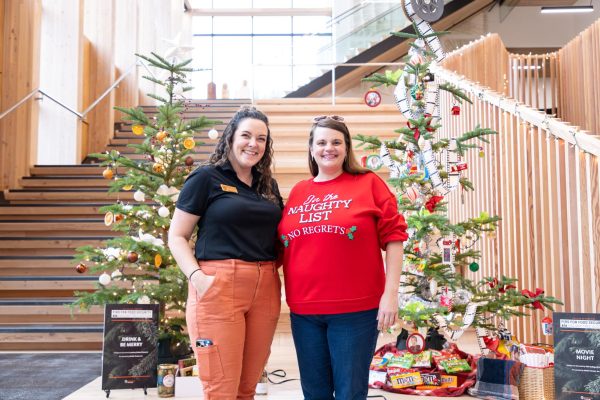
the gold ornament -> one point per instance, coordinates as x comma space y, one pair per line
157, 260
158, 168
137, 130
108, 173
108, 218
161, 135
127, 187
189, 143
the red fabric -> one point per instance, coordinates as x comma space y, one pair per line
431, 204
465, 379
334, 232
538, 292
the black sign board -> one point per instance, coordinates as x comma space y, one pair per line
129, 353
577, 356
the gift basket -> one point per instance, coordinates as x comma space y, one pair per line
446, 373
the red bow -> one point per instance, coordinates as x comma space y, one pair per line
529, 294
415, 129
493, 283
428, 126
432, 203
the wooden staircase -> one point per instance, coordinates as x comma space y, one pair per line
56, 210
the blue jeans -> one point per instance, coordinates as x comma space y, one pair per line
334, 353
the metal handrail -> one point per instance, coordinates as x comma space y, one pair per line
80, 115
23, 100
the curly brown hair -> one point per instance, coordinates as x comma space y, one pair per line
337, 123
220, 155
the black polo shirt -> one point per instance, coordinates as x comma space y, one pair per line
235, 221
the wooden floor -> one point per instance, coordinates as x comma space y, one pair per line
283, 356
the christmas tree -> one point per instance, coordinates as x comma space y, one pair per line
137, 266
434, 292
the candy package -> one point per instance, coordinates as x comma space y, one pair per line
404, 361
423, 359
454, 365
377, 378
405, 379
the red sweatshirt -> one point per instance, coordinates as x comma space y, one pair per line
333, 233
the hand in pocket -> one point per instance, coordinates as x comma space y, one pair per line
202, 283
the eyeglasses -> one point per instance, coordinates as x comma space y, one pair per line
333, 117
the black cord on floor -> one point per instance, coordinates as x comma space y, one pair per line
280, 374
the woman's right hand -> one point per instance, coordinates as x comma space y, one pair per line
202, 283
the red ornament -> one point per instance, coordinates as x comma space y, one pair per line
455, 110
433, 202
372, 98
363, 161
461, 166
81, 268
189, 161
132, 257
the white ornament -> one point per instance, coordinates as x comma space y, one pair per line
163, 212
165, 190
104, 279
139, 196
148, 238
116, 273
213, 134
144, 300
111, 253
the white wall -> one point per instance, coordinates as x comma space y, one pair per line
527, 27
59, 131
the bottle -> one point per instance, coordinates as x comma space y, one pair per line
262, 387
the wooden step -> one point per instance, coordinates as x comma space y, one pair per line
43, 311
51, 337
328, 109
70, 195
32, 243
45, 286
51, 210
90, 224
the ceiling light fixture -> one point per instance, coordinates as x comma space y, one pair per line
566, 9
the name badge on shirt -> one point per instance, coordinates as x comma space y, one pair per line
227, 188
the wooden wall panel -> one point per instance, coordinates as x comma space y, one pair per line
547, 192
492, 50
20, 70
579, 71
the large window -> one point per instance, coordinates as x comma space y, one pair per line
257, 56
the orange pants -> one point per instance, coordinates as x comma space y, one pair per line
239, 313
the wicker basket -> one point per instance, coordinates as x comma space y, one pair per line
537, 384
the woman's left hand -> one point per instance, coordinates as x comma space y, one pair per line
388, 310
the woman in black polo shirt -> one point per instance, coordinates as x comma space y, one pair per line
234, 292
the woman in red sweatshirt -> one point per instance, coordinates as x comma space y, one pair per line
333, 229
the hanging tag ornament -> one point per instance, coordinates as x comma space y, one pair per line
547, 328
446, 251
372, 98
373, 162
